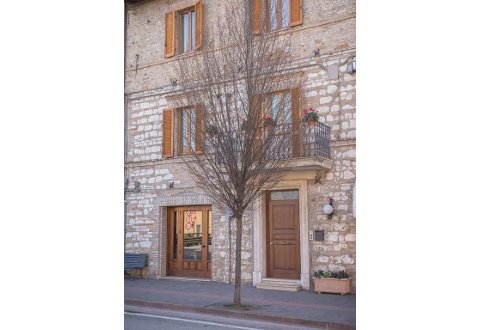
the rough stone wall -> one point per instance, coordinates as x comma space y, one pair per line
223, 255
329, 26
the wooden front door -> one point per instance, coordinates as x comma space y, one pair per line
283, 234
189, 241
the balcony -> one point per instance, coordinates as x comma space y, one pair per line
306, 149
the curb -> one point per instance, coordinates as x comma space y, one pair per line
240, 315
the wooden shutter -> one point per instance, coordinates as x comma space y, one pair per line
296, 12
258, 143
170, 34
198, 24
167, 136
256, 16
296, 124
199, 129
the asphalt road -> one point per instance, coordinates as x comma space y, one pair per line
154, 319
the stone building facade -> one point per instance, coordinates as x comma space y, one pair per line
324, 51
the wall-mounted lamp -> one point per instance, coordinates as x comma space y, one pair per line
352, 67
136, 189
329, 209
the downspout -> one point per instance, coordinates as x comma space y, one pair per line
230, 250
125, 124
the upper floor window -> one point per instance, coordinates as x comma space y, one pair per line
182, 131
186, 131
279, 14
279, 106
183, 30
187, 35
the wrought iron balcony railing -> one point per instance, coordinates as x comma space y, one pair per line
305, 141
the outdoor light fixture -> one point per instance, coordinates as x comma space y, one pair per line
352, 67
328, 209
136, 189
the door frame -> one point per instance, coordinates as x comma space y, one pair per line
260, 231
206, 264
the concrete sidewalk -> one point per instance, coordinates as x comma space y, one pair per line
302, 308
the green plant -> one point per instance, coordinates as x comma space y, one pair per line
310, 115
243, 126
212, 130
329, 274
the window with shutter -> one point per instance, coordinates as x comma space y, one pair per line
279, 14
190, 30
187, 30
284, 108
189, 138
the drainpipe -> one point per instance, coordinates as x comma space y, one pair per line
230, 250
125, 124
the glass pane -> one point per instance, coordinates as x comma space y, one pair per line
185, 19
193, 30
273, 15
209, 235
284, 13
275, 106
192, 130
192, 235
287, 110
284, 195
184, 133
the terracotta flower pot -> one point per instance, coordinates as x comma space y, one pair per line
311, 123
332, 285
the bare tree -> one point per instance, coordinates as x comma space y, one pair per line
247, 132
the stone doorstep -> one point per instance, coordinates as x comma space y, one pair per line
279, 284
239, 314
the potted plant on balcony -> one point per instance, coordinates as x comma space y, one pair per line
332, 282
268, 123
243, 126
310, 117
211, 131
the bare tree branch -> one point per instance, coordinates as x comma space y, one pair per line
242, 85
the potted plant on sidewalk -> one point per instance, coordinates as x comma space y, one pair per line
332, 282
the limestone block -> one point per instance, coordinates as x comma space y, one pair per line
350, 238
326, 99
323, 259
331, 89
347, 175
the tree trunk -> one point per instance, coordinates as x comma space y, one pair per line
238, 262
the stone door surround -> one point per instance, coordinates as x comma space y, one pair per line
260, 232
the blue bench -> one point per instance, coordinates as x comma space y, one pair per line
133, 261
